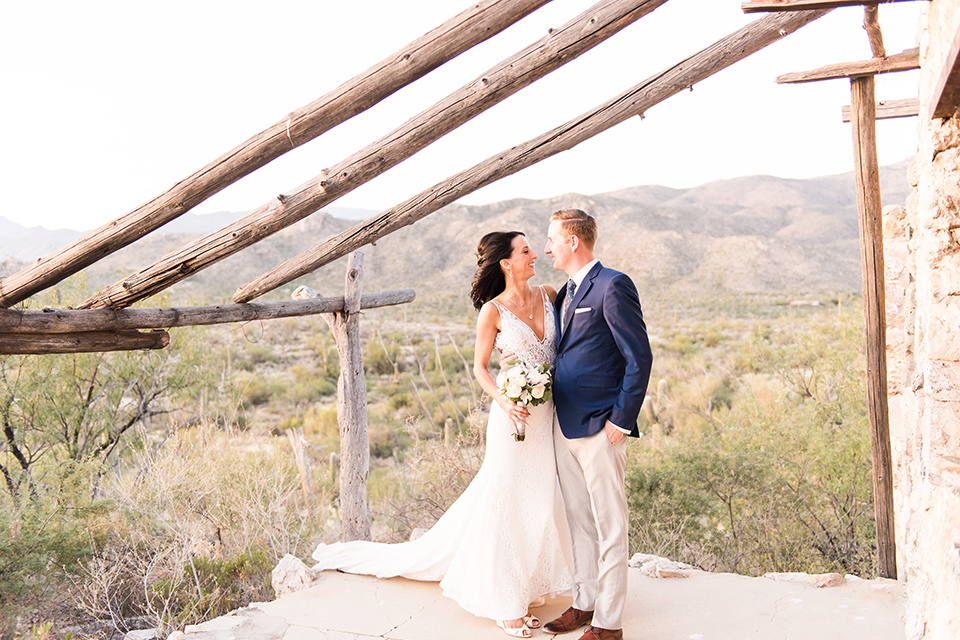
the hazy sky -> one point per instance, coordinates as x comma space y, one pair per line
107, 104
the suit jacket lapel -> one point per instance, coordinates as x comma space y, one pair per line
578, 295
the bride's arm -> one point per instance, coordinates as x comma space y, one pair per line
487, 324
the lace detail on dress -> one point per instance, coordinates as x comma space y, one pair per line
517, 336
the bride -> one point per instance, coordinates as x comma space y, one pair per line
504, 543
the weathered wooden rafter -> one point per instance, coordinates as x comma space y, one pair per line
945, 100
81, 342
756, 6
635, 101
905, 61
890, 109
482, 20
59, 321
557, 48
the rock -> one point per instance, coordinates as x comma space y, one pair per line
657, 567
291, 575
177, 635
819, 580
142, 634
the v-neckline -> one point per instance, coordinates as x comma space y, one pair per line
532, 330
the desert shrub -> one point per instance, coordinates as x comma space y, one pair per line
430, 479
781, 482
199, 524
258, 390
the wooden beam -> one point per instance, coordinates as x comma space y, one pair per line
756, 6
890, 109
867, 173
945, 100
482, 20
559, 47
16, 322
871, 24
635, 101
81, 342
905, 61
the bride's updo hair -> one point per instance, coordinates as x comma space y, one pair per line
488, 281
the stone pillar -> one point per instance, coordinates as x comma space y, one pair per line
924, 357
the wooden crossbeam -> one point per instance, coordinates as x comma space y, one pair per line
756, 6
635, 101
946, 95
905, 61
481, 21
890, 109
81, 342
27, 323
560, 46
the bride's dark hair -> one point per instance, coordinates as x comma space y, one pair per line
488, 281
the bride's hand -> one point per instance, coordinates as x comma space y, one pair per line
515, 412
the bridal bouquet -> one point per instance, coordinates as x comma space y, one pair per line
524, 384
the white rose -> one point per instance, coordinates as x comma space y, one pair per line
514, 390
538, 391
502, 379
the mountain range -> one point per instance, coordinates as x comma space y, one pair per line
749, 235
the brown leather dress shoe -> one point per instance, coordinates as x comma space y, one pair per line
596, 633
568, 621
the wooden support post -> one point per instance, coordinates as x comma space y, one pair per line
867, 174
560, 46
351, 406
81, 342
635, 101
475, 24
871, 24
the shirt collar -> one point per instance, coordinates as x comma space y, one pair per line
580, 275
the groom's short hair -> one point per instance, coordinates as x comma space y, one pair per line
576, 222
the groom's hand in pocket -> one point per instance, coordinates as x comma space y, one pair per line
614, 435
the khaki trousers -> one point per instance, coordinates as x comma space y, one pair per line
591, 472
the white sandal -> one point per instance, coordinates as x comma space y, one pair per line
517, 632
532, 622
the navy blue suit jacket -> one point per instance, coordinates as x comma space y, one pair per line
603, 355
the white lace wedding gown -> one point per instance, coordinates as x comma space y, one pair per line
504, 542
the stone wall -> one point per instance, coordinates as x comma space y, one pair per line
922, 254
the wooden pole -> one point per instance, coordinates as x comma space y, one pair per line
867, 174
482, 20
871, 24
81, 342
18, 322
556, 49
351, 407
635, 101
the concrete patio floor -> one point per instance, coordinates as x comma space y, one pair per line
702, 606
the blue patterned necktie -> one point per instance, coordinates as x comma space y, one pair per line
571, 289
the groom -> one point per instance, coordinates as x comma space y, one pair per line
602, 369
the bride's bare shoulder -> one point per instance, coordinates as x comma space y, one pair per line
550, 291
